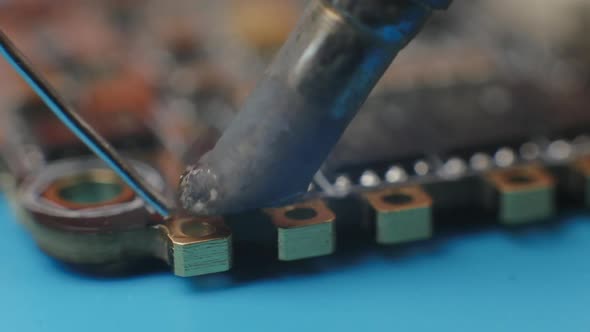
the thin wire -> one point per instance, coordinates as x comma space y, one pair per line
82, 129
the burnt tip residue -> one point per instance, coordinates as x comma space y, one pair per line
199, 190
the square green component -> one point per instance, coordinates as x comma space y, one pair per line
198, 246
401, 214
304, 230
403, 226
520, 207
525, 194
305, 242
201, 258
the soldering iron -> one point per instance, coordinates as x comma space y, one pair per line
296, 114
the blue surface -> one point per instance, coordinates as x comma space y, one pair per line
492, 280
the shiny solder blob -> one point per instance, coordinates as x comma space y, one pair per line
312, 90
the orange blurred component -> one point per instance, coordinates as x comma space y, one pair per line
128, 92
51, 132
264, 24
28, 9
117, 107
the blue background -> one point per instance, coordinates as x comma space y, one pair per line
489, 280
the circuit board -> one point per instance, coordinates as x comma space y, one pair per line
479, 118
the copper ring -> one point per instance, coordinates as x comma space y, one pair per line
54, 191
40, 196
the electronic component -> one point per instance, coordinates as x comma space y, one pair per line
304, 230
474, 123
80, 212
522, 194
403, 214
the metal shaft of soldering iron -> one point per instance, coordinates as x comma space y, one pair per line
81, 129
296, 114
